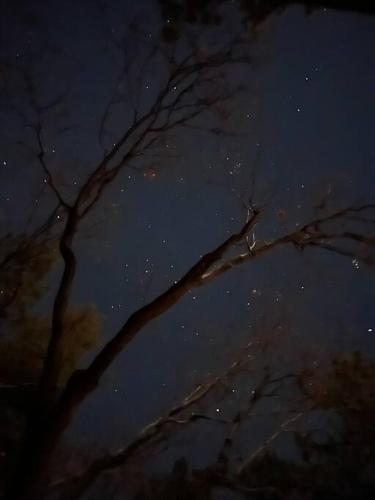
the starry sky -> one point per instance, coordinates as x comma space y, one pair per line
303, 126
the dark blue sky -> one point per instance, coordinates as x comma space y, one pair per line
304, 126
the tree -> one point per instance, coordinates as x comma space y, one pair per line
253, 13
192, 90
25, 332
336, 460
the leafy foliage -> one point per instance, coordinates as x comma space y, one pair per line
25, 333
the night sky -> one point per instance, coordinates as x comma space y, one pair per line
304, 126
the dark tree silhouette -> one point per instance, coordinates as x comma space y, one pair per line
335, 461
193, 85
253, 13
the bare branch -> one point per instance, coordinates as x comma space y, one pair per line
311, 234
75, 486
207, 268
282, 428
41, 157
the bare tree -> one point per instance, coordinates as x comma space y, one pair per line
188, 412
193, 87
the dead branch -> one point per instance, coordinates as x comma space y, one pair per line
312, 234
151, 433
282, 428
